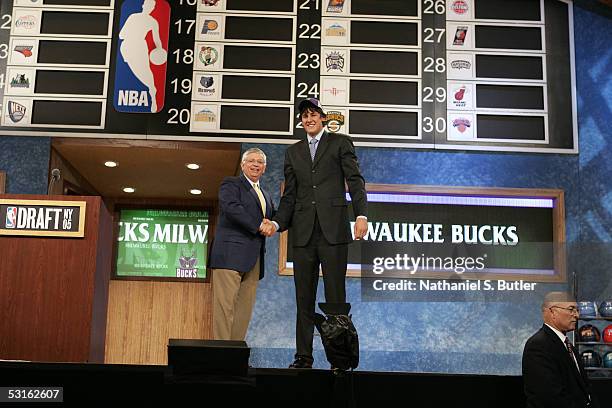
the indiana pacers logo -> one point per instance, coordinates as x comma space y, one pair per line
140, 74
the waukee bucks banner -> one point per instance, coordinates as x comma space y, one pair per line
162, 243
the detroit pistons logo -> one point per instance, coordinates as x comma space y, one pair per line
142, 54
460, 7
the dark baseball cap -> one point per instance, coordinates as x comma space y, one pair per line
311, 103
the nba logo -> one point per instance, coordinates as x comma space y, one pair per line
142, 53
11, 217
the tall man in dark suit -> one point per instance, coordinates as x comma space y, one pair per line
237, 255
553, 375
314, 206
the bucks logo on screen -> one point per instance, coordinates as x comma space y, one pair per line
142, 54
187, 269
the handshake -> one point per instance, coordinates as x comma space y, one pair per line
267, 228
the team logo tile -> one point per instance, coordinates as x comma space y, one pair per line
460, 7
461, 126
25, 50
20, 81
334, 91
206, 82
460, 34
335, 6
210, 26
334, 121
210, 5
335, 30
208, 55
26, 23
16, 111
334, 61
460, 96
204, 117
460, 66
206, 86
140, 75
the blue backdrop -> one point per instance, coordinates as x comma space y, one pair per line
436, 337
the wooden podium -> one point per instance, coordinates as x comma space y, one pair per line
54, 290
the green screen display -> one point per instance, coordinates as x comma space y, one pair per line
162, 243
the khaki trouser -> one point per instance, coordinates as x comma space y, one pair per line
233, 301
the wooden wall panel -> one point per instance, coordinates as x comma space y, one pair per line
143, 315
53, 291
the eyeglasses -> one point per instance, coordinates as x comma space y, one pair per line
571, 309
253, 161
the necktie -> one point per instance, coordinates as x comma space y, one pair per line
262, 200
313, 148
568, 345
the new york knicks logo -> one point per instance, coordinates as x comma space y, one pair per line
140, 74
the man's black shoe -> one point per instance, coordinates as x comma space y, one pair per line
301, 363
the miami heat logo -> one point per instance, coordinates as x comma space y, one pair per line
140, 73
460, 94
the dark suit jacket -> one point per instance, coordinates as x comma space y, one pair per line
318, 187
237, 242
550, 377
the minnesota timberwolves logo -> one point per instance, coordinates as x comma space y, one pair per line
140, 74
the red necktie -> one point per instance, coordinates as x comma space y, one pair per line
568, 345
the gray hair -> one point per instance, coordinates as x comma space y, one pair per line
253, 150
556, 297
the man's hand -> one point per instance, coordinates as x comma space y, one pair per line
361, 228
267, 228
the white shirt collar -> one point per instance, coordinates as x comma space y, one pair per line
250, 181
562, 336
318, 136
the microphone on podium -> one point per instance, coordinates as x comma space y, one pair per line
56, 174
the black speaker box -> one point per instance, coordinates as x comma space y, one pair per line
208, 357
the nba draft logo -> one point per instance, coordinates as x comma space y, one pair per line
140, 74
11, 217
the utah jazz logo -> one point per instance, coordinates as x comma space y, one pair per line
140, 74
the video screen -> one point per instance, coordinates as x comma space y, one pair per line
159, 243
